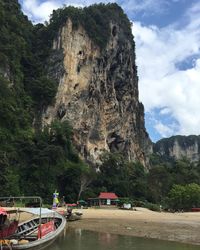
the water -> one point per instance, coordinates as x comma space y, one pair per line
86, 240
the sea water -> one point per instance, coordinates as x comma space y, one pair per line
77, 239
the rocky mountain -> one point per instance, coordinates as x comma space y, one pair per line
72, 83
178, 147
98, 85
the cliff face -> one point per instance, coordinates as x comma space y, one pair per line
177, 147
98, 94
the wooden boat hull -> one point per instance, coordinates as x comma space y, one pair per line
44, 241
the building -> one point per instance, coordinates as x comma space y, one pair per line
104, 199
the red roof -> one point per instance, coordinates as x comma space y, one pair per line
107, 196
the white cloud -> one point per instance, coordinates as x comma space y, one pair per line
162, 84
148, 7
163, 129
37, 11
165, 111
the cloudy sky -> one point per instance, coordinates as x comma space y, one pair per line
167, 36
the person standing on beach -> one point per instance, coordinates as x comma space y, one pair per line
55, 199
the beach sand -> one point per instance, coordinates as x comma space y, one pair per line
180, 227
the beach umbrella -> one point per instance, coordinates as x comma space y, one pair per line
71, 205
82, 202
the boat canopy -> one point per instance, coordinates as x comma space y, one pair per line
36, 210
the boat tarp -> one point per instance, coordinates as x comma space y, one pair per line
36, 210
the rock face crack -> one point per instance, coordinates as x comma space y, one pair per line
98, 94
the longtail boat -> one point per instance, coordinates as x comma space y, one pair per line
40, 230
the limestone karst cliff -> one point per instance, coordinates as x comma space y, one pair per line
98, 92
178, 147
79, 67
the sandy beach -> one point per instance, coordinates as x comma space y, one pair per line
180, 227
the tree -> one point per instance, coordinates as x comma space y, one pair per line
86, 178
184, 197
116, 174
176, 197
159, 182
138, 180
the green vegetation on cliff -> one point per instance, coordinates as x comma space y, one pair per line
96, 20
32, 161
35, 160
